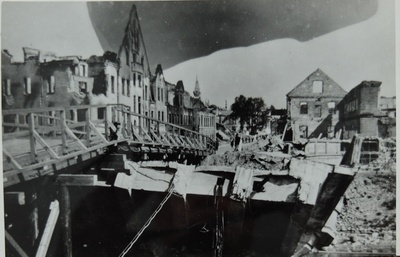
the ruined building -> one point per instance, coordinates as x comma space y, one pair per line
311, 106
119, 76
45, 80
359, 113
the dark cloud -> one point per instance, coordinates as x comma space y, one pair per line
176, 31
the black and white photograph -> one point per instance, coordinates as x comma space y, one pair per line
220, 128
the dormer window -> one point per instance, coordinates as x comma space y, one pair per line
317, 86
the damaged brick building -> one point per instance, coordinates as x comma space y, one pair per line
311, 106
45, 80
119, 76
359, 113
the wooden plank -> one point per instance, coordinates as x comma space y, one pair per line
155, 136
48, 167
213, 168
48, 231
15, 135
76, 180
242, 184
136, 134
94, 129
9, 124
15, 245
171, 139
31, 120
75, 124
45, 145
87, 127
330, 193
74, 138
63, 135
11, 160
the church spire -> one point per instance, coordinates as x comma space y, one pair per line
196, 91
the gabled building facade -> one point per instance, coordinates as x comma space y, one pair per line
158, 96
311, 106
134, 69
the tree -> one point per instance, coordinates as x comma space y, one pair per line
248, 110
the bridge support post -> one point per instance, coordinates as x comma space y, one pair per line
218, 240
66, 221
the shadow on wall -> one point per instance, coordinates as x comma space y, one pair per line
322, 127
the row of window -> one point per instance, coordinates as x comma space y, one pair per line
125, 89
181, 119
135, 58
160, 115
317, 108
50, 83
205, 121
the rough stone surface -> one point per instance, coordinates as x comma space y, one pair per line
367, 221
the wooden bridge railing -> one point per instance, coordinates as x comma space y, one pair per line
36, 141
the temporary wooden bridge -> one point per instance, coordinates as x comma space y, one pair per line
38, 142
67, 142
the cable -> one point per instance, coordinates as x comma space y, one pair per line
140, 232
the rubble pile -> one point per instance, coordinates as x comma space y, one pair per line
249, 159
244, 159
367, 221
386, 160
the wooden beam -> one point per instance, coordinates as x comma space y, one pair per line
155, 136
15, 245
31, 121
76, 180
11, 160
97, 132
63, 135
66, 221
87, 127
74, 138
14, 135
48, 230
45, 145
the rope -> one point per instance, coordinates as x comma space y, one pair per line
140, 232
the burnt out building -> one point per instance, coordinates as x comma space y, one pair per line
311, 106
360, 112
45, 80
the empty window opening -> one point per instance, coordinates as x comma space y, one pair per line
317, 86
27, 86
303, 108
